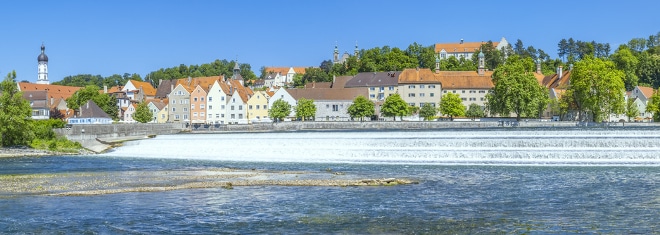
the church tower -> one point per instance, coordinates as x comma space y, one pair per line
356, 52
482, 65
43, 67
335, 56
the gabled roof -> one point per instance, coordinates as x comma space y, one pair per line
329, 93
91, 110
374, 79
190, 83
160, 105
54, 91
553, 80
646, 91
415, 76
244, 92
164, 88
340, 81
114, 89
35, 95
146, 87
465, 80
458, 47
285, 70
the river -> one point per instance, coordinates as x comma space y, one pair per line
478, 181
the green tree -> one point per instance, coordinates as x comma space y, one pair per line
306, 109
361, 108
428, 112
653, 106
631, 109
516, 90
280, 110
452, 105
394, 106
474, 111
626, 62
598, 88
143, 114
15, 114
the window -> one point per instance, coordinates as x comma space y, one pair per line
173, 110
411, 104
335, 107
382, 88
201, 115
463, 91
240, 116
222, 107
210, 106
233, 100
453, 92
210, 116
176, 117
411, 86
373, 96
202, 98
232, 107
432, 86
372, 88
391, 88
195, 99
240, 107
421, 86
421, 94
210, 98
473, 99
411, 94
217, 115
432, 94
482, 98
482, 91
192, 107
162, 116
265, 106
257, 106
222, 115
222, 98
201, 106
444, 92
381, 96
471, 91
250, 107
233, 116
173, 101
185, 116
195, 115
327, 106
463, 99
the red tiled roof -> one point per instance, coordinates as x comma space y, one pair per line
146, 87
647, 91
54, 91
460, 47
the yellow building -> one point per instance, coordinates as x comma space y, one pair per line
257, 110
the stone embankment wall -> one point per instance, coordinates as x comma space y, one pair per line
91, 132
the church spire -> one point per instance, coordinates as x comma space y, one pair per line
42, 66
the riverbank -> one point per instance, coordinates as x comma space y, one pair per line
24, 151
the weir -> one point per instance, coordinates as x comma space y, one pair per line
453, 146
98, 137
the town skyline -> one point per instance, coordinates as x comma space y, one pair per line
128, 37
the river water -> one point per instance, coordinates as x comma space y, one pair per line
478, 181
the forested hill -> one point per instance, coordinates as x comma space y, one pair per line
215, 68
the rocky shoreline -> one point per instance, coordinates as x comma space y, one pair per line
24, 151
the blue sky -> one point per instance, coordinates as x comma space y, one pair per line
108, 37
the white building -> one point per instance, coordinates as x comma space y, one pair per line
42, 67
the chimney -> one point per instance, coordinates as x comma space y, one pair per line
559, 71
105, 89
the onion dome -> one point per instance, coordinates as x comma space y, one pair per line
42, 56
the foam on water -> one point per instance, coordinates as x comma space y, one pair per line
527, 147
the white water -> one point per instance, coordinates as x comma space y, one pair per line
526, 147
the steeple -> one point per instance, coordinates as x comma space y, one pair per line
335, 57
42, 66
482, 64
356, 51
